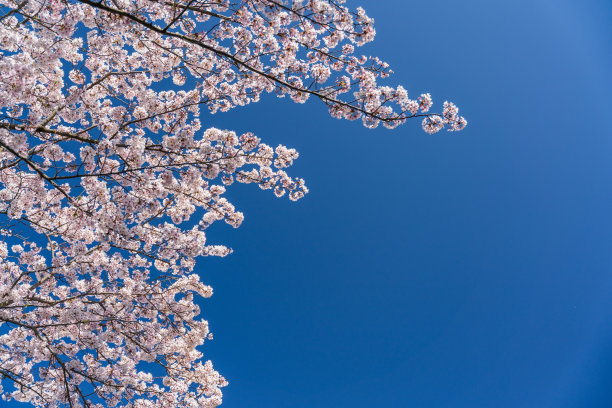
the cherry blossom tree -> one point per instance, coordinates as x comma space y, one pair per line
108, 180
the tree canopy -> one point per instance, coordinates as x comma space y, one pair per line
108, 181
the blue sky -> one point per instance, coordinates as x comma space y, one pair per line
469, 269
453, 270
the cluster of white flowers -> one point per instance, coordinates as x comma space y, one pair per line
108, 182
449, 118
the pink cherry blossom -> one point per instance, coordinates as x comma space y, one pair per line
109, 182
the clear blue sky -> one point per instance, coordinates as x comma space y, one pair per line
454, 270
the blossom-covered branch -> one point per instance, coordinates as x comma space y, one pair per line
109, 181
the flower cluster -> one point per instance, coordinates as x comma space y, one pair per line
449, 118
109, 182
